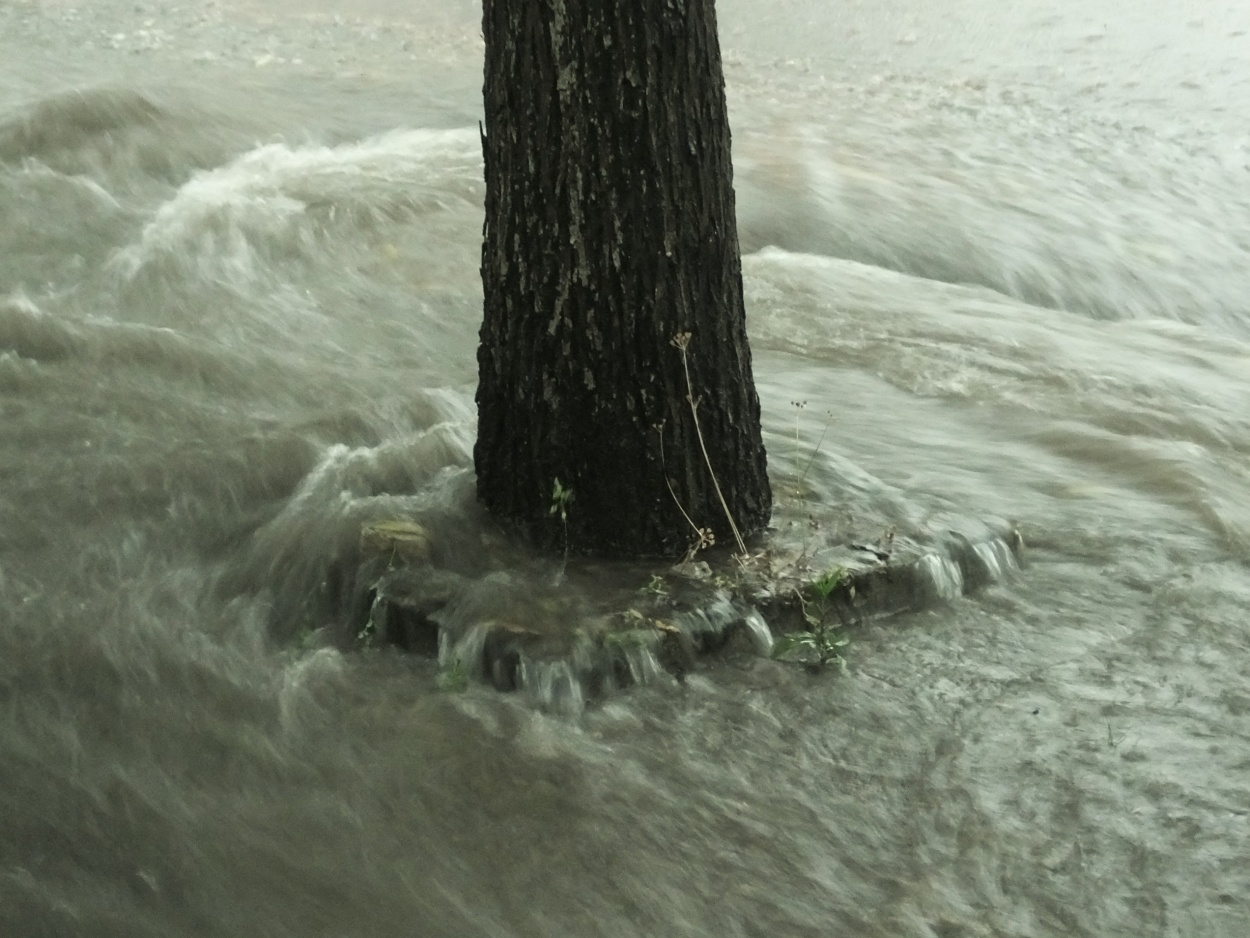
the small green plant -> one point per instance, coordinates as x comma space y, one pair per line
561, 498
824, 431
823, 638
824, 585
454, 678
655, 587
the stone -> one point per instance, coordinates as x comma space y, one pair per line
398, 541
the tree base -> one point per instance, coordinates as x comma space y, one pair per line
570, 634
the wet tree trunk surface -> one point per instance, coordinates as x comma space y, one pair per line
610, 231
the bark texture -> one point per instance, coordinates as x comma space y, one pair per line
609, 231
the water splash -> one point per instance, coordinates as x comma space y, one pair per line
237, 223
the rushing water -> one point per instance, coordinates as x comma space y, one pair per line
1006, 246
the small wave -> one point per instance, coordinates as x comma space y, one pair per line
72, 121
1074, 236
277, 200
310, 546
120, 137
28, 332
56, 225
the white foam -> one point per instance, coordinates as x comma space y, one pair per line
267, 196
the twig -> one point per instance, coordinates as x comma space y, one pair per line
703, 537
682, 342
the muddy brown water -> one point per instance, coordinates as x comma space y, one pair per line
1000, 253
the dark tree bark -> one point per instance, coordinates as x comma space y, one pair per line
610, 230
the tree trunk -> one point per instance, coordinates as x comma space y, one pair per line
609, 232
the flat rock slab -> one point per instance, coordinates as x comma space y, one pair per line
577, 631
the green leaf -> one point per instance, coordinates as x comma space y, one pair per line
830, 581
454, 678
792, 640
630, 638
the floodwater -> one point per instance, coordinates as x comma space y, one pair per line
1005, 246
